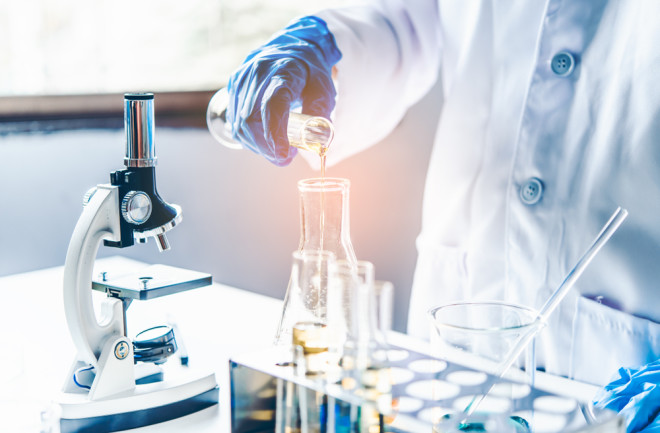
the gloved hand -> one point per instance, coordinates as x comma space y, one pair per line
635, 394
294, 68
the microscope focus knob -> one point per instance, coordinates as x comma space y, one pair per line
88, 195
136, 207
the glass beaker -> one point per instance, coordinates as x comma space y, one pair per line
312, 133
483, 333
324, 226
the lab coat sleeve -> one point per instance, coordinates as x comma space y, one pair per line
390, 59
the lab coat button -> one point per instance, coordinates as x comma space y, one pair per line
531, 191
562, 64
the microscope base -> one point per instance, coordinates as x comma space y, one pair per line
146, 405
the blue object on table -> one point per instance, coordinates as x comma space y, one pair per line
635, 394
293, 69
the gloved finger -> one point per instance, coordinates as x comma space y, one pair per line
654, 427
642, 409
248, 88
241, 115
616, 394
318, 96
283, 90
248, 130
275, 117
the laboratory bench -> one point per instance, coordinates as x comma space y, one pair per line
215, 323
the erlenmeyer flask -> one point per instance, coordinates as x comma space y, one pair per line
324, 226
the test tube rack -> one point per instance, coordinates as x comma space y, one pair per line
423, 388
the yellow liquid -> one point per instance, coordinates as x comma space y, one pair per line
312, 337
312, 146
314, 340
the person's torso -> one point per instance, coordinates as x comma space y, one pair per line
551, 120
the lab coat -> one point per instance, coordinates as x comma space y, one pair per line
530, 158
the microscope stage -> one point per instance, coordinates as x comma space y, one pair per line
152, 282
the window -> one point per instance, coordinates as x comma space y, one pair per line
75, 47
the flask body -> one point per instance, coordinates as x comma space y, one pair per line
324, 227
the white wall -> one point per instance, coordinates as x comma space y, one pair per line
240, 213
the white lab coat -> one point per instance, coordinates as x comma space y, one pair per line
592, 137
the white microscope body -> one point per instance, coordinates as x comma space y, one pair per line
101, 344
100, 392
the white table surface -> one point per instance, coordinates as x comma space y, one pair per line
215, 322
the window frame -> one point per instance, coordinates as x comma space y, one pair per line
46, 113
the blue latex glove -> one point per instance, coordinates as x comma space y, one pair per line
635, 394
293, 69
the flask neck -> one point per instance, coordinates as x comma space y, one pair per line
324, 217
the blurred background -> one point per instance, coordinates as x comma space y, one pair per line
64, 67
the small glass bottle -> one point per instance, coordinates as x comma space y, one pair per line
306, 132
324, 226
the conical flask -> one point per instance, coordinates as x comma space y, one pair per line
324, 226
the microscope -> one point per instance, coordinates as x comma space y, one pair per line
107, 388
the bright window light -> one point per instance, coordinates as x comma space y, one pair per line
112, 46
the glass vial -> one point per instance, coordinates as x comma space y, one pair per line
306, 132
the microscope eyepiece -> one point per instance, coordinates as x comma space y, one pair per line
138, 96
144, 213
139, 126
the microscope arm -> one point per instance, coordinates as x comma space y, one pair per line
99, 221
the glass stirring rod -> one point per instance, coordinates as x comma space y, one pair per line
553, 301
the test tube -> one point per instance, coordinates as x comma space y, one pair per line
313, 133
